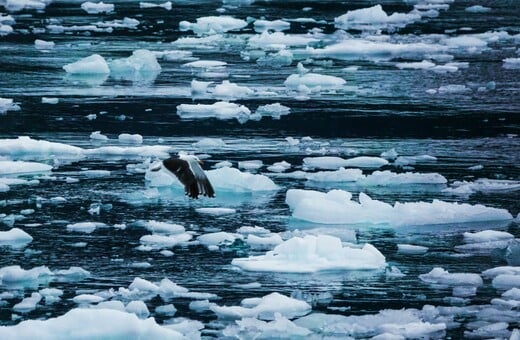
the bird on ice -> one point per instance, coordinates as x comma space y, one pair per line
188, 171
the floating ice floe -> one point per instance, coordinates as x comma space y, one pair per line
210, 143
213, 240
97, 8
312, 254
442, 277
313, 81
337, 207
274, 25
95, 64
213, 25
108, 26
19, 5
166, 5
43, 45
14, 237
483, 185
264, 308
485, 241
511, 63
228, 90
94, 323
26, 146
28, 304
387, 324
21, 167
280, 327
251, 165
156, 241
411, 249
219, 110
85, 227
477, 9
50, 100
412, 160
7, 104
5, 29
16, 274
216, 211
374, 18
130, 138
141, 66
276, 110
267, 40
279, 166
333, 163
205, 64
98, 136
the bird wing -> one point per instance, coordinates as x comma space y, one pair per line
191, 175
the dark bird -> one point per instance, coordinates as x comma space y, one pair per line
188, 171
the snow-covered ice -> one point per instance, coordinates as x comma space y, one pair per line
97, 7
337, 207
314, 253
94, 64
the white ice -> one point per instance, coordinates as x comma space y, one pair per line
512, 63
28, 304
166, 5
374, 18
85, 227
97, 7
50, 100
311, 254
14, 237
261, 25
228, 90
483, 185
142, 65
94, 323
7, 104
486, 236
275, 110
94, 64
337, 207
442, 277
210, 143
216, 211
265, 308
98, 136
219, 110
21, 167
280, 327
333, 163
130, 138
313, 81
43, 45
213, 25
411, 249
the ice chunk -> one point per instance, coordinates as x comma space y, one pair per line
483, 185
28, 304
138, 308
199, 87
43, 45
7, 104
95, 64
228, 90
336, 207
219, 110
212, 240
313, 81
388, 178
487, 236
166, 5
14, 237
275, 25
141, 66
94, 323
374, 18
166, 310
411, 249
213, 25
97, 8
216, 211
250, 165
50, 100
164, 241
311, 254
164, 227
130, 139
281, 327
18, 5
506, 281
279, 166
206, 64
267, 40
20, 167
275, 110
332, 163
266, 308
209, 143
511, 63
87, 299
85, 227
477, 9
440, 276
96, 135
16, 274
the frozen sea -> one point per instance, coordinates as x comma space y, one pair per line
406, 113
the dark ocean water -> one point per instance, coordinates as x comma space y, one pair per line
381, 107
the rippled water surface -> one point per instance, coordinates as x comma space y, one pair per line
380, 107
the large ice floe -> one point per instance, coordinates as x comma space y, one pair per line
333, 162
337, 207
82, 323
94, 64
314, 253
7, 104
20, 167
141, 66
222, 179
97, 8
